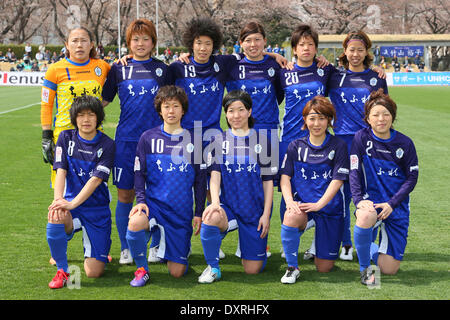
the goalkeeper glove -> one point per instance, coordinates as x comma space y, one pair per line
48, 146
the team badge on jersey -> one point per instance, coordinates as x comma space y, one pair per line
99, 152
98, 71
159, 72
190, 147
216, 67
258, 148
399, 153
331, 154
373, 82
271, 72
320, 72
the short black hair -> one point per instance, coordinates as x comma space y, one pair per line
86, 102
170, 92
242, 96
202, 27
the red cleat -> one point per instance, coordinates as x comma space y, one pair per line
59, 280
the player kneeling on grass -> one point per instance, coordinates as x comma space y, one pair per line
317, 166
83, 160
241, 184
383, 172
166, 175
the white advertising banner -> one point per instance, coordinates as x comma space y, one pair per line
21, 78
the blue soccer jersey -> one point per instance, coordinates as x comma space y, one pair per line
136, 85
312, 168
260, 80
349, 91
83, 159
300, 85
383, 170
168, 177
244, 163
204, 85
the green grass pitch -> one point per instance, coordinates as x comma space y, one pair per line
424, 114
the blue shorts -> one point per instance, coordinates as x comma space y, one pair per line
393, 237
175, 241
251, 246
232, 221
328, 234
95, 223
123, 171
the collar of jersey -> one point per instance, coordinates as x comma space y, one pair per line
171, 135
78, 64
296, 66
265, 57
327, 137
94, 140
362, 72
252, 131
143, 61
200, 64
393, 134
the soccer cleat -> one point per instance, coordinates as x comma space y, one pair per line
308, 255
125, 257
59, 280
346, 253
291, 275
221, 254
209, 275
268, 253
153, 255
52, 261
109, 258
141, 277
368, 276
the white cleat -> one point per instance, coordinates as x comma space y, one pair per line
209, 275
221, 254
308, 255
346, 253
125, 257
153, 255
291, 275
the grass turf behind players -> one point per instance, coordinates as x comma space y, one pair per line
25, 195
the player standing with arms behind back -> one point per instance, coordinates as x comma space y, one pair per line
383, 172
348, 91
136, 84
80, 73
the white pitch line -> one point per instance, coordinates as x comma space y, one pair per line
20, 108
